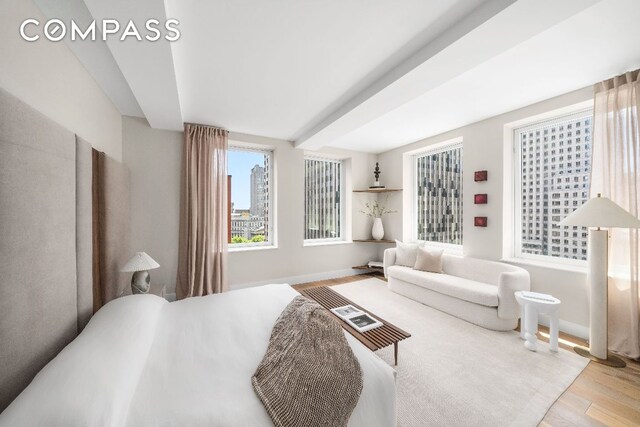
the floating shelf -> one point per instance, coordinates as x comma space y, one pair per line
373, 241
378, 190
366, 267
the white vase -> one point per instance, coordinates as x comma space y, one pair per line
377, 232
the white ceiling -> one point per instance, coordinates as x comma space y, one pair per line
273, 67
367, 75
589, 47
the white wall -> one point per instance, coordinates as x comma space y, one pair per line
483, 148
48, 77
153, 157
291, 259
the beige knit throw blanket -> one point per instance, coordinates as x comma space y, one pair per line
309, 375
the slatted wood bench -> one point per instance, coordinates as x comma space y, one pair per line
374, 339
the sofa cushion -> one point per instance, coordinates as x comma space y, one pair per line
406, 253
429, 260
457, 287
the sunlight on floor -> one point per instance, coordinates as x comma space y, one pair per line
560, 340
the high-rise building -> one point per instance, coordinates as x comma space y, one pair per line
258, 191
322, 201
556, 163
439, 196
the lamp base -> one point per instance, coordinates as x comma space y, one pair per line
140, 282
611, 360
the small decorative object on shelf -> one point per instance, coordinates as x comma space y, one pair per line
377, 232
480, 221
480, 199
375, 210
376, 173
480, 176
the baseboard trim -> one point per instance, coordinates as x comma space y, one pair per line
294, 280
570, 328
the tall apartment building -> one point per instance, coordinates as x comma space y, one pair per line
556, 164
439, 187
259, 194
322, 199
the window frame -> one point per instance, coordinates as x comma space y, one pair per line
564, 115
434, 149
343, 205
270, 218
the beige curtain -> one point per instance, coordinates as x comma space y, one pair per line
202, 253
616, 174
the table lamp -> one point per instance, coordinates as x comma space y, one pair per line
599, 212
139, 264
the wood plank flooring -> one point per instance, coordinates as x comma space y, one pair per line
600, 396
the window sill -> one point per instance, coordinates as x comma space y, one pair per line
252, 248
326, 243
547, 264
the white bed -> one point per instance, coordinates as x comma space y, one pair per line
142, 361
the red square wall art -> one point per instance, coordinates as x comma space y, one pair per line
480, 176
480, 199
480, 221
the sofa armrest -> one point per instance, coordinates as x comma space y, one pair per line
389, 259
510, 282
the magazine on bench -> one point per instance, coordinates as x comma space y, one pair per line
357, 319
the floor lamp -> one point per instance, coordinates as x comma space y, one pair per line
599, 212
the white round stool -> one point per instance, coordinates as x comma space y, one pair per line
531, 304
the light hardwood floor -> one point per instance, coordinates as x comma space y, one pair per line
600, 396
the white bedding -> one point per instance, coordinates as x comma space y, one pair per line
142, 361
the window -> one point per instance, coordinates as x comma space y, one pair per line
323, 210
559, 191
438, 180
250, 217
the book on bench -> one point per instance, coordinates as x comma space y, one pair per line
357, 319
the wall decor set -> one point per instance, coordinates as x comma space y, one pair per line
480, 199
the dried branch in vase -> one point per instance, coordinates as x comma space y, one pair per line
376, 210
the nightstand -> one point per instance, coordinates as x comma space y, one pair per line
158, 289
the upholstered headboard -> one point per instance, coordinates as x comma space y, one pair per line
46, 294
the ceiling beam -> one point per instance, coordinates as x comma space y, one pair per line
95, 56
147, 66
491, 29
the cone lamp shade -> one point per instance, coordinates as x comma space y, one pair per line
599, 212
140, 263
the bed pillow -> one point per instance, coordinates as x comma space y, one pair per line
429, 260
406, 253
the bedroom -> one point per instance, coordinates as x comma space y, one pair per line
225, 157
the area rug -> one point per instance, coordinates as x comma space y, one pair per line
453, 373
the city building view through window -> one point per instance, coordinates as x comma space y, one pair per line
554, 166
249, 172
438, 195
322, 199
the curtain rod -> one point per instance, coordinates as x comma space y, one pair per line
205, 126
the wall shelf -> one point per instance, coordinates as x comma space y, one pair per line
378, 190
373, 241
366, 267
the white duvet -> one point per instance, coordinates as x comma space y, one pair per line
142, 361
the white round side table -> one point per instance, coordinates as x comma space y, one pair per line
531, 304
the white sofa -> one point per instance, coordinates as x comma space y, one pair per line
476, 290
